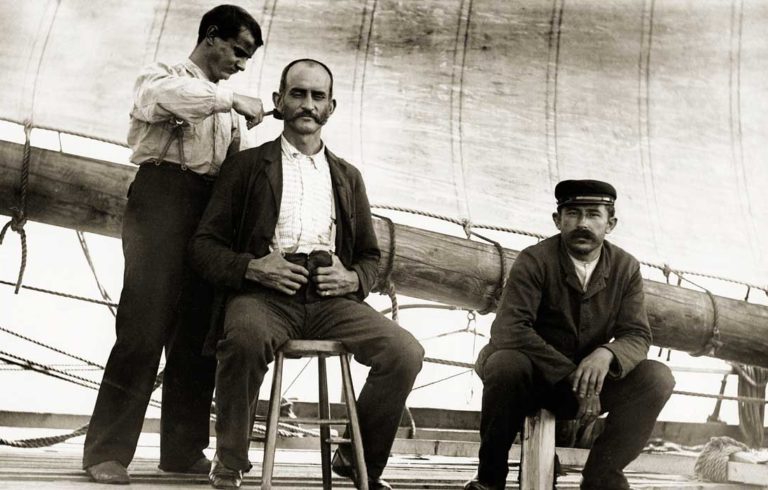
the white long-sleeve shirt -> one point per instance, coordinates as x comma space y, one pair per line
163, 93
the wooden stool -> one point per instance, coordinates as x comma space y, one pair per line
320, 349
537, 465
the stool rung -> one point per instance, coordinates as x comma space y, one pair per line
338, 440
304, 420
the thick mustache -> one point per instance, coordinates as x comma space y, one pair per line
582, 234
307, 114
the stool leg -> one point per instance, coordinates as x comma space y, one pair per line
357, 440
270, 443
324, 413
537, 468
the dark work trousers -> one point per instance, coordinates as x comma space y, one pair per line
512, 389
163, 305
257, 323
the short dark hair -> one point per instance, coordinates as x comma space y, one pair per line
230, 20
284, 75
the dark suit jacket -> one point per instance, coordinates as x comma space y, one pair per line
239, 222
545, 314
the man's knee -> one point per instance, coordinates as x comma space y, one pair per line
407, 353
507, 368
657, 378
245, 342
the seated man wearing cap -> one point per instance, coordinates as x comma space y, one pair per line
571, 335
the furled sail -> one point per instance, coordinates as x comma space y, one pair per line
470, 108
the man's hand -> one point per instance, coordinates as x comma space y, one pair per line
587, 379
336, 280
589, 409
273, 271
250, 107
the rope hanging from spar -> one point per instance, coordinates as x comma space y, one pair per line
714, 342
19, 213
386, 284
495, 298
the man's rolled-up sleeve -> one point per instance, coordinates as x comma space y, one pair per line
160, 94
516, 315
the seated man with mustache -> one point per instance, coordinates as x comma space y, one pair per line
571, 335
288, 239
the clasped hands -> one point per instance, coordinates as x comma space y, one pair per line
274, 272
587, 383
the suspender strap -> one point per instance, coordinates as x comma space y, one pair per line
177, 131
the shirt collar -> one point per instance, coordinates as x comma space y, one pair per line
590, 263
195, 70
291, 151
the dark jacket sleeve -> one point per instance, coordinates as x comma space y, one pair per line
632, 333
513, 326
211, 250
366, 252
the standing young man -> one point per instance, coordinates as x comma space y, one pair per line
572, 335
183, 125
275, 211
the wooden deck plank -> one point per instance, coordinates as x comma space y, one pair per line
59, 467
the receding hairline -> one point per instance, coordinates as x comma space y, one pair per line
308, 62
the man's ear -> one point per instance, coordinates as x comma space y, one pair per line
556, 219
612, 222
210, 33
276, 100
333, 106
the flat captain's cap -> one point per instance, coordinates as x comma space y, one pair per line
576, 192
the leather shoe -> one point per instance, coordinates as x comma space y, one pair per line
200, 467
223, 477
342, 466
476, 484
112, 472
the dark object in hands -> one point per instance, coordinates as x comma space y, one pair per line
317, 258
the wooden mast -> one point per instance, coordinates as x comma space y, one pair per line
89, 195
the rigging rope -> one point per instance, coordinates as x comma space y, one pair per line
54, 349
89, 260
62, 295
752, 383
386, 284
19, 213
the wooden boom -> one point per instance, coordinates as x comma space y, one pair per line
89, 195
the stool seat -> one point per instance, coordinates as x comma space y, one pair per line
321, 349
313, 348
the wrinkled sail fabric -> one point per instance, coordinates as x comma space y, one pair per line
472, 109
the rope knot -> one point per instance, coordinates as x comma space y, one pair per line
466, 224
18, 220
666, 270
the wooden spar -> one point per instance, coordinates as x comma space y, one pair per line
89, 195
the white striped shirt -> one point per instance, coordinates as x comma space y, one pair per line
306, 209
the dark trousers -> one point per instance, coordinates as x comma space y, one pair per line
259, 322
512, 389
163, 305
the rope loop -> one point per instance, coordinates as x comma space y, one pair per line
385, 284
712, 345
